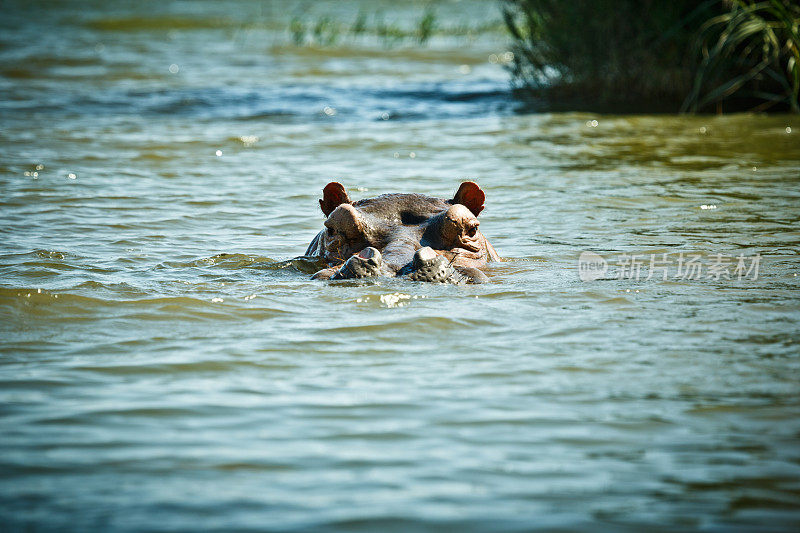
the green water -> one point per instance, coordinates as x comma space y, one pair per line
167, 366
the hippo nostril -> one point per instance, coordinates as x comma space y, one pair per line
371, 256
425, 255
472, 231
369, 253
428, 265
366, 263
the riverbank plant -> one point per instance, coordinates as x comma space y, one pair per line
655, 55
751, 51
326, 31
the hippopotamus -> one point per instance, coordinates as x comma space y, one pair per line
413, 236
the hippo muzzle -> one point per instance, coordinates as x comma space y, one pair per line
413, 236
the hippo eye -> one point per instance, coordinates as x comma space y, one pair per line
472, 231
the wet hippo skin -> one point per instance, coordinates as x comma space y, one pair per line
410, 235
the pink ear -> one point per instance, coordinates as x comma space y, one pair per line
333, 195
471, 196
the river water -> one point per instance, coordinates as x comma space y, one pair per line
167, 365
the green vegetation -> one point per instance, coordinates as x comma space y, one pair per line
327, 31
753, 49
682, 54
426, 26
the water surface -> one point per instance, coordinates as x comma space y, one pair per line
167, 365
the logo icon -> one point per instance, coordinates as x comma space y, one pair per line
591, 266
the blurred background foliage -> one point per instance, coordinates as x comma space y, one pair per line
678, 55
390, 29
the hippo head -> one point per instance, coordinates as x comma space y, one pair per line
411, 235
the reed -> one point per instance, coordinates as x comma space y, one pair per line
327, 31
751, 52
650, 54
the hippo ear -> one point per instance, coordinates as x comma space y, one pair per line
471, 196
333, 195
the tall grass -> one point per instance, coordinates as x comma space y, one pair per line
325, 31
666, 55
753, 51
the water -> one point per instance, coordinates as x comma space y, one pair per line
167, 365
